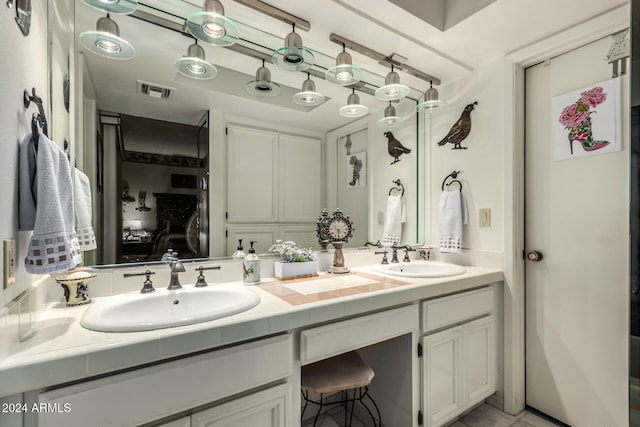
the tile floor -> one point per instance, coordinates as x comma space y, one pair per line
483, 416
488, 416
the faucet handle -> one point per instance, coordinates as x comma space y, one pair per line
384, 257
407, 249
201, 282
147, 286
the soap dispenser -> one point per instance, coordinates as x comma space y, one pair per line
239, 253
251, 267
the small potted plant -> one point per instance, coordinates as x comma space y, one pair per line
294, 261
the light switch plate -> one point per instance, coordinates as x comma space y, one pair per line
9, 256
485, 218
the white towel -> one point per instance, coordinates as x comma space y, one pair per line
453, 213
45, 206
82, 199
394, 216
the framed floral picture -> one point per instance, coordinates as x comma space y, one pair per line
357, 170
587, 121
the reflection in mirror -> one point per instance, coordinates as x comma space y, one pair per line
151, 195
162, 188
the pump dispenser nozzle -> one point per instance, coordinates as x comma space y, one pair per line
239, 253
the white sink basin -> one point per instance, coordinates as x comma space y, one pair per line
425, 269
134, 311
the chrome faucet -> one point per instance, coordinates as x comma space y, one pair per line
376, 244
394, 257
176, 267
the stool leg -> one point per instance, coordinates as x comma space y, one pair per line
306, 403
373, 418
315, 420
353, 404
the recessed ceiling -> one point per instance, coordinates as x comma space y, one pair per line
442, 14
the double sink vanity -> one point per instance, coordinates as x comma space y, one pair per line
231, 355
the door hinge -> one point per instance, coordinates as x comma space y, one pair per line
226, 233
524, 256
226, 215
226, 131
419, 349
420, 418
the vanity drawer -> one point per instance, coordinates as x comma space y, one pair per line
441, 312
143, 395
337, 338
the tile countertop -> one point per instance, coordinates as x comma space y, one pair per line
59, 350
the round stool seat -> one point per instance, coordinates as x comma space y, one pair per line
344, 372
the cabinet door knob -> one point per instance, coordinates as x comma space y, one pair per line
534, 256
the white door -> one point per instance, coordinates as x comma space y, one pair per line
577, 217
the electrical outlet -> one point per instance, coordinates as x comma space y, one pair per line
380, 218
9, 256
485, 218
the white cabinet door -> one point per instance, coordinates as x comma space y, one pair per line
442, 376
480, 360
459, 369
263, 235
252, 175
268, 408
304, 235
182, 422
300, 178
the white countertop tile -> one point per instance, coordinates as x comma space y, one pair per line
60, 350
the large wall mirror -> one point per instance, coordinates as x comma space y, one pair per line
165, 170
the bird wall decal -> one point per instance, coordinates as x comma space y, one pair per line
395, 147
460, 129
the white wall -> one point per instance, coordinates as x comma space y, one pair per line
481, 164
23, 66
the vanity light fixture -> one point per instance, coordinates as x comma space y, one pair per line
262, 85
194, 65
117, 7
293, 56
353, 107
344, 72
431, 101
308, 95
392, 88
106, 40
390, 118
211, 26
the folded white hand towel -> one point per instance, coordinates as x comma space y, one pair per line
395, 215
46, 206
452, 213
82, 199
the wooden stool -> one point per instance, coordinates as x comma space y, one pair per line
347, 372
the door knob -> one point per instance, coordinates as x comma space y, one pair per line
534, 256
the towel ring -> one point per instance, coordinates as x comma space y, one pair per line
453, 175
398, 187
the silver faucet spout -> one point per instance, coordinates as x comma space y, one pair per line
176, 267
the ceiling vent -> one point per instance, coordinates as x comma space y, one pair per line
155, 90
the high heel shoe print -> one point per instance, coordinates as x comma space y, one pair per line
357, 167
583, 133
576, 118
